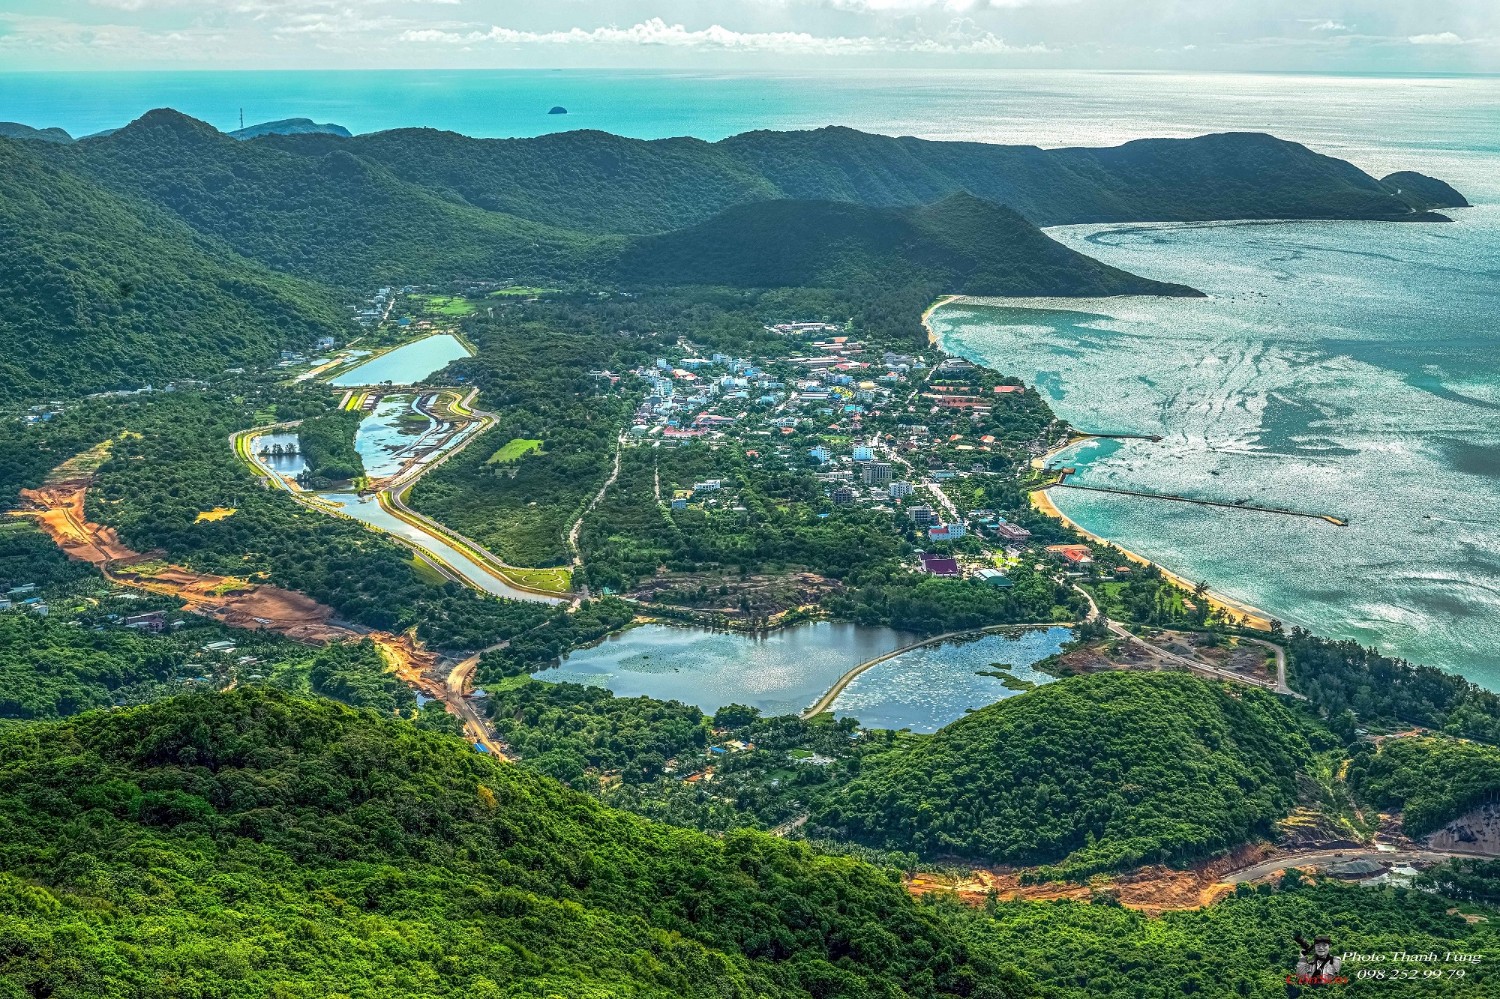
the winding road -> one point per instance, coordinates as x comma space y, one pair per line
577, 527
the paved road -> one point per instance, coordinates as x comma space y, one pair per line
1325, 858
1192, 664
599, 496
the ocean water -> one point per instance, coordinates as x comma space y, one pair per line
1372, 120
1343, 369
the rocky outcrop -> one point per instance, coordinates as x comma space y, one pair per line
1477, 831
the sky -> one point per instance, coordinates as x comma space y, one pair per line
1370, 36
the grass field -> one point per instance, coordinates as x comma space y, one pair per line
447, 305
217, 513
426, 572
555, 580
509, 292
514, 450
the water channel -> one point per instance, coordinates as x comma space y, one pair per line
396, 437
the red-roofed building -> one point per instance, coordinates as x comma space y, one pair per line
935, 565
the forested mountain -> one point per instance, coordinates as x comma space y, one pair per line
129, 254
597, 182
961, 244
105, 292
16, 130
290, 126
1431, 780
338, 218
1096, 772
252, 844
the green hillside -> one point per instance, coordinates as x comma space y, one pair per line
102, 292
595, 182
1223, 176
961, 244
1091, 773
1431, 780
252, 844
337, 218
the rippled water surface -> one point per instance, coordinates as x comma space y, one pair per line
1351, 369
780, 673
927, 688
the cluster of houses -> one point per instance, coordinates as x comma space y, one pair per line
377, 308
834, 389
24, 598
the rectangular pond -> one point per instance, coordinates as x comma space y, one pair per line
406, 365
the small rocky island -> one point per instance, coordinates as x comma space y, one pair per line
558, 109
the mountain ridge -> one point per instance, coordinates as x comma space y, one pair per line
962, 244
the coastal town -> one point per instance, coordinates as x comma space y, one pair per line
894, 433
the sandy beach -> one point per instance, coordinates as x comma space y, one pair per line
932, 337
1253, 617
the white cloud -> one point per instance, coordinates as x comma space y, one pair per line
1329, 26
1441, 38
657, 32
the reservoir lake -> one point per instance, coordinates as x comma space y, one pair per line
406, 365
786, 671
927, 688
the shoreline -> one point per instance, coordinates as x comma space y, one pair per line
933, 340
1251, 615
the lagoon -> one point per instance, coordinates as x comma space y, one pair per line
779, 673
927, 688
407, 364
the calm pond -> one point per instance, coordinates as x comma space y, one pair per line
405, 365
784, 672
780, 673
927, 688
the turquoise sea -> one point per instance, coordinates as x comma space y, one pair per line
1346, 368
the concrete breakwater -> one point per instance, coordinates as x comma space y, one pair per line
1063, 483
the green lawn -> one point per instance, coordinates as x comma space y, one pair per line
514, 450
553, 580
507, 292
426, 572
448, 305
